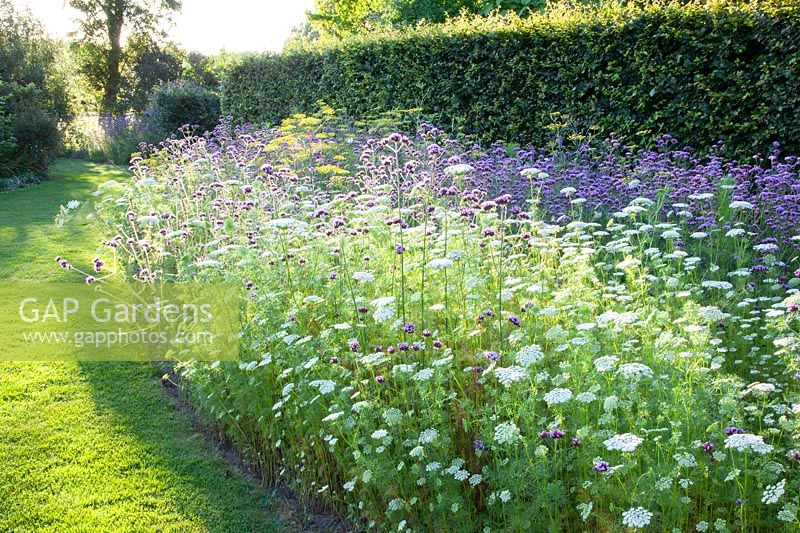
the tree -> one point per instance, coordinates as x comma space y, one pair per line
301, 35
28, 58
345, 17
99, 42
339, 18
147, 64
201, 69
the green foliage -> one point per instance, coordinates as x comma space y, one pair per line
201, 70
8, 142
29, 135
175, 105
99, 44
151, 64
38, 138
702, 71
32, 94
339, 18
105, 139
29, 57
209, 70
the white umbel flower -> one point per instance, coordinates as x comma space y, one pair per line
383, 314
461, 475
628, 264
325, 386
761, 388
534, 172
605, 363
636, 517
701, 196
586, 397
529, 355
711, 284
423, 375
440, 264
506, 433
626, 442
428, 436
510, 375
364, 277
333, 416
458, 170
557, 396
635, 371
685, 459
773, 493
746, 441
711, 313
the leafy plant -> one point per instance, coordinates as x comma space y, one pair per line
32, 95
174, 105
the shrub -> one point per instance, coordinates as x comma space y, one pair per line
29, 136
32, 94
703, 71
38, 138
8, 142
175, 105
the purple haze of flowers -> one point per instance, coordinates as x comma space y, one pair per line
608, 179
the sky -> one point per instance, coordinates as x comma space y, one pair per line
206, 26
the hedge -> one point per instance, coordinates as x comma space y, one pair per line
702, 71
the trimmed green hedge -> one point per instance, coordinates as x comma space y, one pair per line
701, 71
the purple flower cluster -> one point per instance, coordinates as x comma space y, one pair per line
609, 178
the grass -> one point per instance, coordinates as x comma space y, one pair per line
101, 446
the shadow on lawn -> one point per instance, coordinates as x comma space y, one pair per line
29, 239
195, 478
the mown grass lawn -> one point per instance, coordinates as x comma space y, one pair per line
100, 446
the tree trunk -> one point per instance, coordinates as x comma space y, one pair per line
114, 76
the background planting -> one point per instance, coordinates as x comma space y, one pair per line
702, 71
174, 105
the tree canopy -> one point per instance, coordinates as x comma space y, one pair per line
339, 18
100, 38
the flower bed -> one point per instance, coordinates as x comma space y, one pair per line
445, 337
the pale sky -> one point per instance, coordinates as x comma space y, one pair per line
206, 26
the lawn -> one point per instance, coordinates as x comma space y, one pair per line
101, 446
